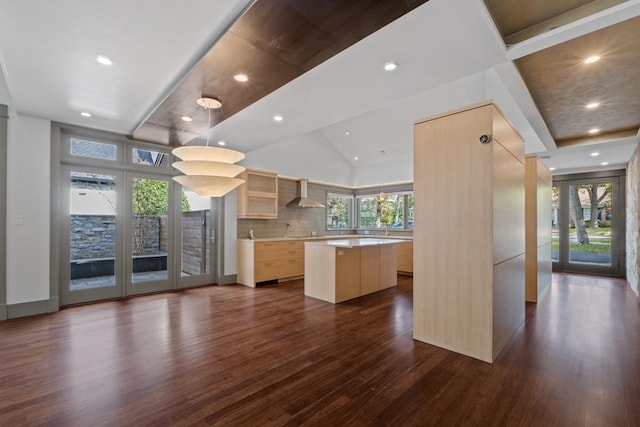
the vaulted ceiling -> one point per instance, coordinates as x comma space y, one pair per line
319, 65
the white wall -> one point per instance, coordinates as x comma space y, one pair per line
307, 156
28, 196
230, 233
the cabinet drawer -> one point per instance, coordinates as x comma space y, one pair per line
266, 270
290, 250
292, 244
292, 267
266, 251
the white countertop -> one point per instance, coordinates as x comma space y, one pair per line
354, 243
325, 238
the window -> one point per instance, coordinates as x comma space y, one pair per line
150, 158
94, 150
339, 211
392, 210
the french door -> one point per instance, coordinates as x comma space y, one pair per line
589, 223
127, 233
92, 265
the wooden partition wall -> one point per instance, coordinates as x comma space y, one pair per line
469, 266
538, 218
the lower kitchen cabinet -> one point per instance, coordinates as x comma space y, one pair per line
405, 258
267, 261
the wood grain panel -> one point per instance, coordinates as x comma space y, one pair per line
452, 266
266, 251
369, 269
544, 270
544, 203
508, 302
245, 262
508, 205
320, 272
506, 135
291, 259
388, 266
405, 257
347, 273
266, 270
538, 228
291, 267
273, 42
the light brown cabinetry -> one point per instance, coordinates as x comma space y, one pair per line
538, 229
291, 259
258, 196
405, 258
265, 261
338, 273
469, 271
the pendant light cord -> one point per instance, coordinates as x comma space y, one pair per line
209, 127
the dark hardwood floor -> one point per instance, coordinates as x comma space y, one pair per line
236, 356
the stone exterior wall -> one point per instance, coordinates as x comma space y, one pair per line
92, 236
633, 222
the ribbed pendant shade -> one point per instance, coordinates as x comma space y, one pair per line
211, 168
207, 185
208, 171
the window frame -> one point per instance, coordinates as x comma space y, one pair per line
351, 198
405, 210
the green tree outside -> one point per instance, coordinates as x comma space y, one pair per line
149, 199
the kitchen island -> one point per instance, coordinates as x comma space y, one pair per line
340, 270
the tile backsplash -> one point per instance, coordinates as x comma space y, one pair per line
302, 221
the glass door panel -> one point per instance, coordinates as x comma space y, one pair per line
90, 248
588, 223
590, 217
196, 243
196, 235
150, 234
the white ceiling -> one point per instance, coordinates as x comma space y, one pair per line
449, 54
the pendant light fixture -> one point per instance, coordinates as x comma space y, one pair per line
208, 171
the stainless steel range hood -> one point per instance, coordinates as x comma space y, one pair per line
302, 201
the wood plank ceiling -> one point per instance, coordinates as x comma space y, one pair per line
273, 42
560, 82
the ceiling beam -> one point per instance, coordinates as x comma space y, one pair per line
597, 139
548, 33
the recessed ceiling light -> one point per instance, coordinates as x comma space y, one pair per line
241, 78
347, 133
85, 114
604, 163
355, 158
222, 143
278, 118
594, 130
592, 59
390, 66
552, 169
186, 118
104, 60
593, 105
594, 154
